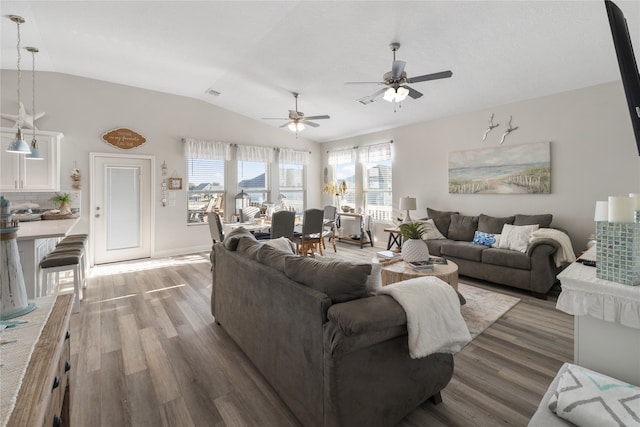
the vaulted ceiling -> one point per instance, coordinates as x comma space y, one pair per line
255, 53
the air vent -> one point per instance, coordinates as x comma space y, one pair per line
366, 100
212, 92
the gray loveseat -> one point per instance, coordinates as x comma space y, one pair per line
335, 355
533, 270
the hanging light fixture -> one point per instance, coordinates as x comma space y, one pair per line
18, 145
35, 151
296, 127
396, 95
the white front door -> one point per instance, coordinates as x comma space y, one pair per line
121, 209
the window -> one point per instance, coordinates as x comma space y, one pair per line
376, 164
292, 186
205, 188
253, 178
347, 172
377, 190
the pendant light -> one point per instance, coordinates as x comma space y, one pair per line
18, 145
35, 151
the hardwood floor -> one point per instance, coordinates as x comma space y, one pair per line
147, 352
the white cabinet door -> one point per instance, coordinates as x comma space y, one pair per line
21, 174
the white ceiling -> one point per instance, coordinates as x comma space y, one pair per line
256, 53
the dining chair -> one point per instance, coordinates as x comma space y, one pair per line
282, 225
329, 225
311, 236
215, 227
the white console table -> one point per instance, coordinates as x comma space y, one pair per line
606, 322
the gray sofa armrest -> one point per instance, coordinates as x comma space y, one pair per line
362, 323
543, 269
367, 314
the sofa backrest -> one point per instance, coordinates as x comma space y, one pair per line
278, 324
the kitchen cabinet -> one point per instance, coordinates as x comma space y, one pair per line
19, 174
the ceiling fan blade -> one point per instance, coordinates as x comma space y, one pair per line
313, 125
365, 83
413, 93
434, 76
317, 117
397, 69
284, 125
378, 93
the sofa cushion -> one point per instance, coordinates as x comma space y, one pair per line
492, 224
462, 227
248, 246
516, 237
464, 250
543, 220
367, 314
506, 258
442, 219
273, 257
281, 243
231, 240
340, 281
435, 246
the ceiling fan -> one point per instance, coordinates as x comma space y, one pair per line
396, 81
297, 119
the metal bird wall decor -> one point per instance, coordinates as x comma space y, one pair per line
508, 131
490, 128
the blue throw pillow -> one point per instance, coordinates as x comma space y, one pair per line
486, 239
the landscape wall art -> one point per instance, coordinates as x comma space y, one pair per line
516, 169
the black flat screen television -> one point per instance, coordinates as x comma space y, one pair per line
626, 63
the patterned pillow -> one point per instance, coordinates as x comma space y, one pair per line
486, 239
587, 398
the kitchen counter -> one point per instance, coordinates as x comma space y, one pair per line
46, 229
35, 240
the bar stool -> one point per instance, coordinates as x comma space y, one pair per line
61, 260
78, 241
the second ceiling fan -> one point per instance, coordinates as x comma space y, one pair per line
396, 81
297, 119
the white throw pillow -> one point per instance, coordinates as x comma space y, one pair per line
281, 243
587, 398
431, 231
374, 280
516, 237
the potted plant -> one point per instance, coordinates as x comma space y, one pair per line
413, 247
62, 202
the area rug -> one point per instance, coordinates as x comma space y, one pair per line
483, 307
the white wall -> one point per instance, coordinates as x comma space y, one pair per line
593, 155
83, 109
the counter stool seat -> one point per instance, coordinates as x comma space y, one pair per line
60, 261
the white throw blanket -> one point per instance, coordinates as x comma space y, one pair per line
565, 253
434, 322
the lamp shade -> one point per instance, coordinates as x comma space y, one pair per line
407, 203
602, 211
621, 209
636, 199
18, 145
401, 94
35, 153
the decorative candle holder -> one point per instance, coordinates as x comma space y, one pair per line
618, 252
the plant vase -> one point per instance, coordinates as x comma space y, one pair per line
415, 250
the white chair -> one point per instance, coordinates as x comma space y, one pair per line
249, 213
215, 227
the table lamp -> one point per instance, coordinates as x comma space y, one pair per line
408, 204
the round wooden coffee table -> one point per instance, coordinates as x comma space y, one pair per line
398, 271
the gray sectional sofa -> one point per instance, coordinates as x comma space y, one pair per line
534, 270
335, 355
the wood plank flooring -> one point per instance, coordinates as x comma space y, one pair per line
147, 352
